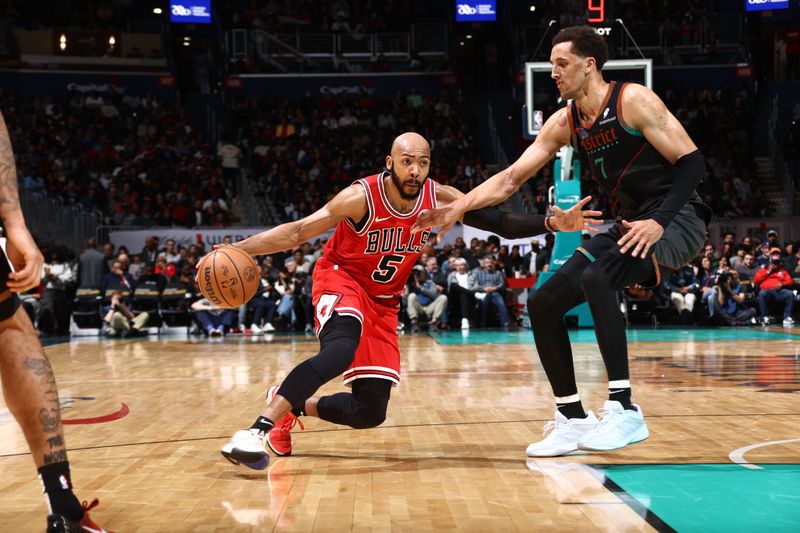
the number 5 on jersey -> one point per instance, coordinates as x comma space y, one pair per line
387, 268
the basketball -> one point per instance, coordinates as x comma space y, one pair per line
228, 277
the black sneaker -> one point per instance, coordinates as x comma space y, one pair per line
61, 524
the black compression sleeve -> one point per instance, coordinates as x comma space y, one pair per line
505, 224
689, 170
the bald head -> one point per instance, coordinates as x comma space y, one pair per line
409, 164
412, 143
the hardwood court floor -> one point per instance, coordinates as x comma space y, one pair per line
451, 454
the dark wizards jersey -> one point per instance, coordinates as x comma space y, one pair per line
634, 174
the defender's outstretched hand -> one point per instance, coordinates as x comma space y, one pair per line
445, 216
574, 219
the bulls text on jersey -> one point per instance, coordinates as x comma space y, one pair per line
393, 241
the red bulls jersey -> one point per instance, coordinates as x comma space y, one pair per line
379, 251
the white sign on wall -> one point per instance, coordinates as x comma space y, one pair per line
133, 240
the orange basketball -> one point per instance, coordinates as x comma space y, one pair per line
228, 277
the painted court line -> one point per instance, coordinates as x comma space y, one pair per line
737, 456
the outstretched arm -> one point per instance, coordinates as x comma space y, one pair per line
555, 134
518, 225
21, 250
350, 203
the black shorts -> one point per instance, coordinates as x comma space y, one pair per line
681, 242
8, 306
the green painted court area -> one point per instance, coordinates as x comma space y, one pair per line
634, 335
714, 497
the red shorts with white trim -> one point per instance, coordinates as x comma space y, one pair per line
378, 354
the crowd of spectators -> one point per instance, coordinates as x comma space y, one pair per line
456, 286
748, 282
112, 276
304, 151
74, 14
460, 286
136, 159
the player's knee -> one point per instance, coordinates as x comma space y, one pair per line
366, 417
540, 305
593, 277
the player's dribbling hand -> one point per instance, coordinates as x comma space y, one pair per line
26, 258
641, 236
573, 219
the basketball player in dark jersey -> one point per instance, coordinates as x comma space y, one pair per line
643, 157
357, 284
29, 386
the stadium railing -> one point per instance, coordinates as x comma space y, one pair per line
425, 39
53, 222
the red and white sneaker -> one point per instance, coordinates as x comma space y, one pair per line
279, 438
61, 524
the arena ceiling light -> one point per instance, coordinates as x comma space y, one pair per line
157, 11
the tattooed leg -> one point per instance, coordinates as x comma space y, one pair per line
29, 388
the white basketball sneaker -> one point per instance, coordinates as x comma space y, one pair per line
618, 428
246, 447
564, 435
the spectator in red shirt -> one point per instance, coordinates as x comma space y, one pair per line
773, 282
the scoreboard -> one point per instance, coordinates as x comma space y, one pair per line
600, 15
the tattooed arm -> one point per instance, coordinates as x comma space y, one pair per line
20, 247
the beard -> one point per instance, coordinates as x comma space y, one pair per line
399, 186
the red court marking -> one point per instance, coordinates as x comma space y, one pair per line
122, 413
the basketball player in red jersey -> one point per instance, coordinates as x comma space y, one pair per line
29, 385
645, 160
357, 284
